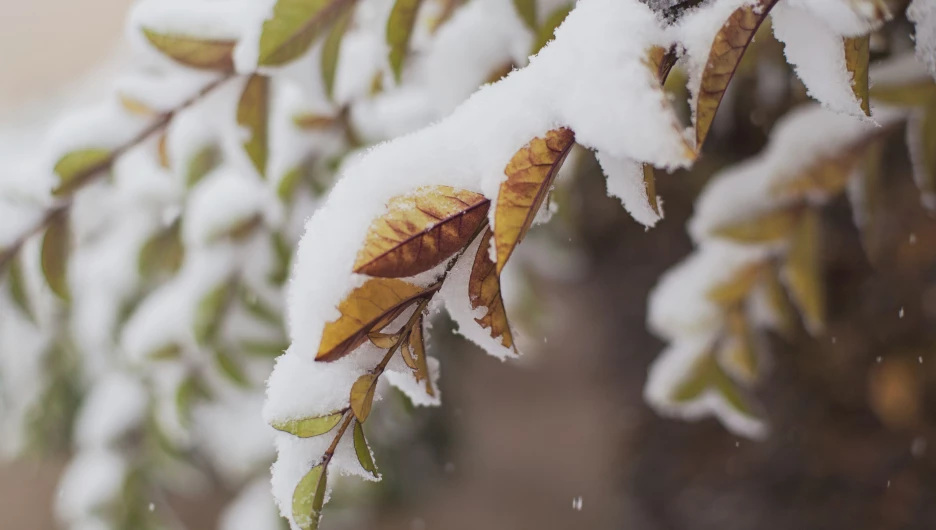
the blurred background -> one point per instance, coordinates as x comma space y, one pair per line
563, 438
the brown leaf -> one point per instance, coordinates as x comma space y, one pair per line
857, 55
368, 308
727, 49
803, 271
484, 291
421, 230
661, 61
204, 54
419, 352
362, 396
650, 186
530, 174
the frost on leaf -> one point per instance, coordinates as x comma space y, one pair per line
75, 168
194, 52
309, 427
295, 26
399, 32
367, 308
253, 109
530, 174
309, 497
484, 291
56, 247
857, 55
421, 230
802, 271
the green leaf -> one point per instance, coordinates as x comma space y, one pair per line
163, 252
295, 25
262, 348
190, 389
56, 246
362, 396
803, 271
283, 252
18, 289
309, 427
309, 497
165, 353
202, 162
362, 450
75, 168
547, 31
707, 376
230, 369
253, 114
527, 11
204, 54
331, 50
257, 307
400, 31
210, 311
287, 184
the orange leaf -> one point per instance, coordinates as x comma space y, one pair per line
530, 174
421, 230
368, 308
484, 291
419, 352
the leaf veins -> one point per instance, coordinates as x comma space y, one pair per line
484, 291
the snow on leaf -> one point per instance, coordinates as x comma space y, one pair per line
484, 290
294, 27
362, 450
547, 31
194, 52
309, 427
827, 176
530, 174
763, 228
331, 50
367, 308
362, 396
56, 248
253, 114
309, 497
399, 32
802, 271
857, 55
735, 290
728, 48
421, 230
75, 168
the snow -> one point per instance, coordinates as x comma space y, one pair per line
625, 179
114, 407
923, 14
252, 509
92, 480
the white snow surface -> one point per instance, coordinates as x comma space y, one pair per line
923, 14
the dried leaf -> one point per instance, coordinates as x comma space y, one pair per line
309, 427
240, 230
866, 194
527, 11
209, 313
294, 26
367, 308
135, 107
362, 450
56, 248
418, 344
331, 50
530, 174
729, 46
765, 228
204, 160
309, 497
803, 271
230, 369
362, 396
165, 353
75, 168
204, 54
547, 31
400, 31
857, 55
484, 291
650, 186
828, 176
384, 341
253, 115
406, 352
162, 151
735, 290
661, 61
421, 230
163, 252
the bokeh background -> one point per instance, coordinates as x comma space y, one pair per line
517, 444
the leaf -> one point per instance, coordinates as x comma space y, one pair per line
764, 228
162, 151
406, 352
202, 162
909, 95
484, 291
735, 290
75, 168
803, 271
309, 497
728, 47
661, 61
737, 352
309, 427
257, 307
230, 369
828, 176
134, 106
707, 376
650, 185
857, 55
866, 194
282, 251
418, 344
421, 230
253, 114
189, 389
164, 353
331, 50
264, 348
384, 341
163, 252
921, 139
18, 289
530, 174
240, 230
314, 122
363, 451
547, 31
56, 247
367, 308
294, 26
362, 396
779, 302
400, 31
209, 312
527, 11
204, 54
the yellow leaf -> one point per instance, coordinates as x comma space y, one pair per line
484, 291
779, 303
76, 168
530, 174
857, 55
660, 61
527, 11
362, 450
764, 228
867, 203
910, 95
367, 308
707, 376
331, 50
309, 497
419, 352
134, 106
737, 349
447, 10
309, 427
362, 396
727, 49
294, 26
421, 230
547, 31
735, 290
204, 54
828, 176
162, 151
400, 31
383, 340
803, 271
253, 114
56, 247
314, 122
